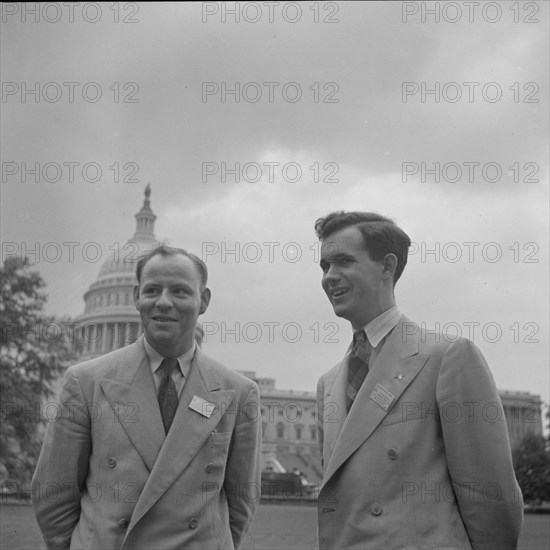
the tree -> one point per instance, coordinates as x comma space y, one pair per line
532, 467
34, 350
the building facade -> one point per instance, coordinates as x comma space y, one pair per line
289, 422
522, 411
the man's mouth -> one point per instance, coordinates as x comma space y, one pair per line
337, 292
163, 318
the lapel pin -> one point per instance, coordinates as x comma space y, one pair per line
202, 406
382, 397
399, 377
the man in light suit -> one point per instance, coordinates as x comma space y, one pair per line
157, 446
412, 432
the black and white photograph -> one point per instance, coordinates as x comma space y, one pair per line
275, 275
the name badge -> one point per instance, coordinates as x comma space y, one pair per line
382, 396
202, 406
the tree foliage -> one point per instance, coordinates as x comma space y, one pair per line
532, 467
34, 350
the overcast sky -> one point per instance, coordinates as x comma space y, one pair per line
340, 106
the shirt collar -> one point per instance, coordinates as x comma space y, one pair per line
377, 329
184, 360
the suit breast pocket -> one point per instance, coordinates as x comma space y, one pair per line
218, 439
408, 412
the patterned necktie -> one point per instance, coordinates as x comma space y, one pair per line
168, 394
358, 365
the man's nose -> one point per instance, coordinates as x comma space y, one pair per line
331, 274
164, 300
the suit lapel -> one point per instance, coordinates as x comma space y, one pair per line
393, 370
334, 413
132, 395
189, 431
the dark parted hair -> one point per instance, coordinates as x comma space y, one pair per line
381, 235
164, 250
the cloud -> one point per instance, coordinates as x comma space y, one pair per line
257, 233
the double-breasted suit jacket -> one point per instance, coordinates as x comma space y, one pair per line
108, 477
423, 459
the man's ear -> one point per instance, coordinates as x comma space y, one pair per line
136, 296
390, 265
205, 300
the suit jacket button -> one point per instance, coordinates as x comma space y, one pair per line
111, 462
376, 509
194, 523
123, 523
209, 467
392, 454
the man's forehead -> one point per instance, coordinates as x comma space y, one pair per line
346, 241
175, 264
330, 248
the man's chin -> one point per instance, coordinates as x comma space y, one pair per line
341, 311
162, 336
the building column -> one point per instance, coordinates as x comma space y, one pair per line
113, 337
90, 332
84, 340
93, 338
103, 340
120, 335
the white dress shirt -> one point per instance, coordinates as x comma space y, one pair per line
379, 328
178, 374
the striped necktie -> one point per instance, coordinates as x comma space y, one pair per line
358, 365
167, 394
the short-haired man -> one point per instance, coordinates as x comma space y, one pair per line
410, 460
157, 443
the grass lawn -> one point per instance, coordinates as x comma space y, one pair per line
275, 527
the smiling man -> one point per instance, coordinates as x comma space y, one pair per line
411, 457
157, 446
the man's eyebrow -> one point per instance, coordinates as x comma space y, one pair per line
182, 284
336, 257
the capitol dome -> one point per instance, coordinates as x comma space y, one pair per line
110, 319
